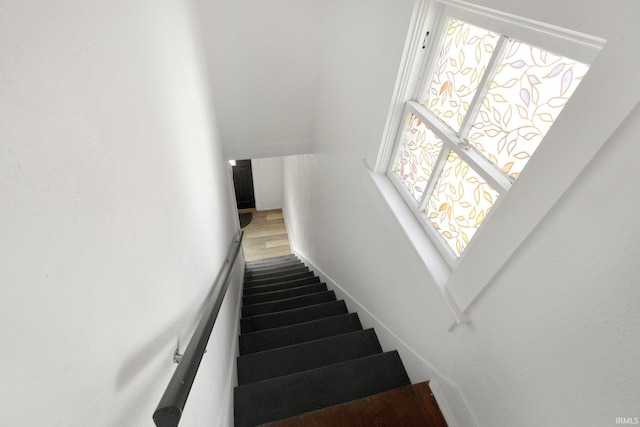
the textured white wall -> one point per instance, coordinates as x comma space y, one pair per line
268, 185
115, 211
555, 338
264, 62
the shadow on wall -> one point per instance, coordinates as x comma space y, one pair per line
132, 412
186, 321
155, 347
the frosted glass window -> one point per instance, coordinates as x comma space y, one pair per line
462, 61
417, 155
526, 95
492, 94
459, 203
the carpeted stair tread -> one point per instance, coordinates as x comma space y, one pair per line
298, 333
290, 317
288, 303
271, 261
275, 272
248, 283
266, 268
412, 405
308, 355
280, 286
283, 294
294, 394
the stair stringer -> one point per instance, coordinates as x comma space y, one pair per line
452, 403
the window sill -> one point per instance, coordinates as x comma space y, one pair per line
433, 262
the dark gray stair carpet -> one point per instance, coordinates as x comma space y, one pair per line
278, 286
272, 280
283, 293
294, 394
300, 350
275, 272
272, 268
308, 355
265, 269
272, 259
290, 317
298, 333
269, 263
288, 303
262, 269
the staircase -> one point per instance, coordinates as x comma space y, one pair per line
303, 355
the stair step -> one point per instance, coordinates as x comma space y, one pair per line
288, 304
290, 317
273, 258
305, 356
275, 272
412, 405
284, 293
272, 261
268, 268
280, 286
248, 283
294, 334
294, 394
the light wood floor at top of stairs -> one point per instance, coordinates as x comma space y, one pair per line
266, 236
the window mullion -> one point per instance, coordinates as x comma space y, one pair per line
483, 166
487, 170
449, 142
483, 87
424, 115
437, 170
436, 124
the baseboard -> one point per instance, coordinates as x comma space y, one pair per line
452, 404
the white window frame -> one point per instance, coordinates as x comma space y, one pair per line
415, 73
451, 142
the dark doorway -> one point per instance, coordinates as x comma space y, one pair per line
243, 184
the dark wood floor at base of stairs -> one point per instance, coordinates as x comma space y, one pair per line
412, 406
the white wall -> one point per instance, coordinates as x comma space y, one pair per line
264, 60
298, 172
268, 184
115, 211
554, 338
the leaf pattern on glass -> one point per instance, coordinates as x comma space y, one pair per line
417, 155
528, 92
459, 203
462, 61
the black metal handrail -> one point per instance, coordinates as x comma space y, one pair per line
171, 405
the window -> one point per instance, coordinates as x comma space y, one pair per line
487, 93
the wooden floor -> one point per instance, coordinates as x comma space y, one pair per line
266, 235
412, 405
